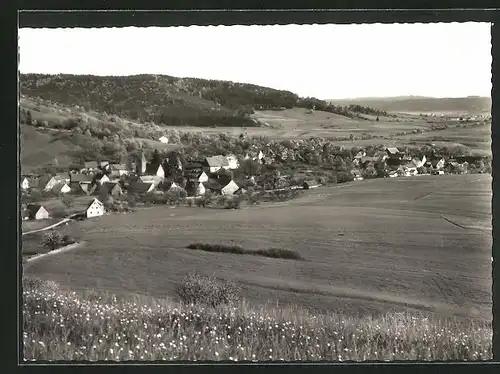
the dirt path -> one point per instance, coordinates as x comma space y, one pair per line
51, 226
54, 252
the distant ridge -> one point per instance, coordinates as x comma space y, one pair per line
470, 104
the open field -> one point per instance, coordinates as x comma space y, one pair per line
421, 243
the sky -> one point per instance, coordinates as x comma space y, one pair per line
323, 61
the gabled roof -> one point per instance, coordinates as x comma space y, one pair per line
393, 150
117, 167
108, 186
217, 161
33, 209
62, 175
212, 185
92, 202
193, 165
80, 178
90, 164
139, 187
44, 180
311, 182
153, 168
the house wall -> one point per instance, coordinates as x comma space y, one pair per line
95, 210
203, 177
160, 172
42, 214
65, 189
25, 184
200, 190
230, 189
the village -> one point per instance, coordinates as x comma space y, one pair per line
219, 175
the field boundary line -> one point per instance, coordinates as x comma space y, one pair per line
55, 251
67, 219
466, 227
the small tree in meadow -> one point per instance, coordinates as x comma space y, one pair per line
52, 240
68, 201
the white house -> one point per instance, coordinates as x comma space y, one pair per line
230, 188
156, 170
103, 179
36, 211
215, 163
203, 177
25, 183
62, 188
47, 183
233, 162
200, 189
163, 139
95, 209
156, 180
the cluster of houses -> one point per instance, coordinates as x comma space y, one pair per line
98, 178
211, 173
37, 211
399, 164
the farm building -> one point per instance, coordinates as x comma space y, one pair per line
91, 165
140, 187
94, 209
230, 188
156, 170
36, 211
83, 187
194, 188
80, 178
28, 182
101, 179
156, 180
213, 185
163, 139
111, 188
103, 164
117, 170
61, 188
394, 153
216, 163
233, 162
308, 184
173, 187
47, 183
63, 177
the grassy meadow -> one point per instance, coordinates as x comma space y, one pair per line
378, 246
91, 326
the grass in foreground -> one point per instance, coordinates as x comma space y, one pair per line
61, 325
236, 249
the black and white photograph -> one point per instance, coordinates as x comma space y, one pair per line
279, 193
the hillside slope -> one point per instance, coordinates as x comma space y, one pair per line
169, 100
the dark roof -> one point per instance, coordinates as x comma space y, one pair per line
81, 178
393, 150
108, 186
193, 165
139, 187
62, 175
152, 168
212, 185
92, 202
217, 161
311, 182
90, 164
33, 209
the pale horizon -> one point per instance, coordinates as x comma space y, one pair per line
322, 61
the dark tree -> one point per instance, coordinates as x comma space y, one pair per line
29, 119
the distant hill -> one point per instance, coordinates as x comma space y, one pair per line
422, 104
167, 100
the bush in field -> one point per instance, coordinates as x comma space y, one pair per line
52, 240
68, 201
198, 289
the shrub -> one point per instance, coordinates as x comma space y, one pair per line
236, 249
52, 240
278, 253
198, 289
68, 201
